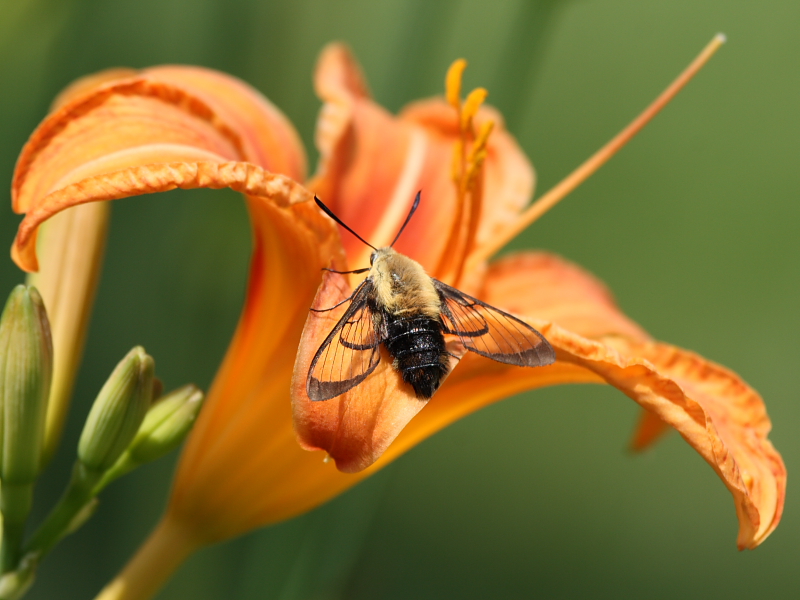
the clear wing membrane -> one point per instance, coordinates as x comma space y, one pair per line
490, 332
349, 353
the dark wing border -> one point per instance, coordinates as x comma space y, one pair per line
529, 348
319, 390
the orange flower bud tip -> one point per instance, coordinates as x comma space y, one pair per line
25, 257
453, 82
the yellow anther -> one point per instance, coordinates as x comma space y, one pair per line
471, 105
452, 83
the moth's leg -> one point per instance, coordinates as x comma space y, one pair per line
337, 305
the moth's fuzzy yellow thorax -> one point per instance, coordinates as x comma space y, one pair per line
402, 286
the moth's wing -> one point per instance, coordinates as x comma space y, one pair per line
349, 353
490, 332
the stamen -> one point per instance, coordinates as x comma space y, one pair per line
483, 135
469, 153
455, 168
452, 86
477, 155
579, 175
473, 189
453, 83
475, 194
474, 168
470, 108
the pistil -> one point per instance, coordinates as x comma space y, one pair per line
599, 158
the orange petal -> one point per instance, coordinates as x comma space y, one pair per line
88, 83
241, 467
267, 137
372, 164
713, 409
356, 427
729, 430
123, 136
717, 413
542, 286
547, 287
146, 179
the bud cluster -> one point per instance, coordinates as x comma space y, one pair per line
130, 423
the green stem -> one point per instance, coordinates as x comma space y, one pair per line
15, 504
58, 523
124, 465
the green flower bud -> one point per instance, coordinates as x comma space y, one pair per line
118, 411
26, 369
166, 424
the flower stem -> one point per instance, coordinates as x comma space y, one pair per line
60, 521
15, 504
157, 559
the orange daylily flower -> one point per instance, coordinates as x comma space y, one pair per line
124, 133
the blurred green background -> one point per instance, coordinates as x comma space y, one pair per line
694, 226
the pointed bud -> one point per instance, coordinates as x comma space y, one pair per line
166, 424
118, 411
26, 369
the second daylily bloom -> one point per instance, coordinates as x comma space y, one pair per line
126, 133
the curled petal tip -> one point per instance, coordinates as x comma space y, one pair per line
146, 179
24, 256
338, 72
648, 431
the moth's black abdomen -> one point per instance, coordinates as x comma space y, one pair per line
417, 346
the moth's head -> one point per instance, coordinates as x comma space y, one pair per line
381, 254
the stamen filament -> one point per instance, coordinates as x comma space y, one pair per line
599, 158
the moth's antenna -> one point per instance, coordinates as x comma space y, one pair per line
408, 218
328, 212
